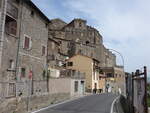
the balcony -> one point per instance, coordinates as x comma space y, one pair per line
12, 10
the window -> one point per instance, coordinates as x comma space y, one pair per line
0, 3
76, 86
43, 50
99, 77
23, 72
12, 10
32, 13
53, 45
27, 42
109, 75
11, 25
79, 51
46, 25
82, 34
92, 55
70, 63
80, 24
11, 90
18, 1
87, 42
11, 64
116, 75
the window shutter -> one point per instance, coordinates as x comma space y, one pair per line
13, 27
26, 43
30, 43
43, 50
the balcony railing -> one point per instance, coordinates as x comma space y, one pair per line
12, 10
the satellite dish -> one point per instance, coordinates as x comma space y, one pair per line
77, 40
67, 58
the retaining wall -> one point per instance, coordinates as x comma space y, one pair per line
25, 104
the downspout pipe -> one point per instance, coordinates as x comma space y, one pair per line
18, 46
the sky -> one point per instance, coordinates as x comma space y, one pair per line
124, 25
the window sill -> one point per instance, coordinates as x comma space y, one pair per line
27, 49
11, 35
11, 70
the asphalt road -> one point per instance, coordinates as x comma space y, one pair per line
90, 104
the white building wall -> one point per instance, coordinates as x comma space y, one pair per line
54, 73
81, 89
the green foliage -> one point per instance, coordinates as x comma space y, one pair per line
148, 87
148, 101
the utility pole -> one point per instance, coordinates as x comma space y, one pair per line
145, 74
18, 48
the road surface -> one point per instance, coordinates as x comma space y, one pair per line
90, 104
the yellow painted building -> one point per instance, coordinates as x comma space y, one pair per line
115, 78
88, 66
102, 83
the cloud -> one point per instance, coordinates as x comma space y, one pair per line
124, 24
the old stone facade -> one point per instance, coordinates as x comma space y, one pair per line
30, 44
24, 48
32, 59
77, 37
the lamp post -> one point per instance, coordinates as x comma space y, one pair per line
120, 56
124, 85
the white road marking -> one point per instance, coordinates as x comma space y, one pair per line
59, 104
112, 105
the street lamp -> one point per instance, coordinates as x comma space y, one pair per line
120, 56
123, 66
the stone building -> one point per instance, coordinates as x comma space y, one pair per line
8, 47
23, 48
77, 37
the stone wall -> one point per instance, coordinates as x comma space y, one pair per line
32, 60
2, 23
25, 104
30, 24
61, 85
67, 85
79, 38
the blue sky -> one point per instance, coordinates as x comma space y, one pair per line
124, 24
